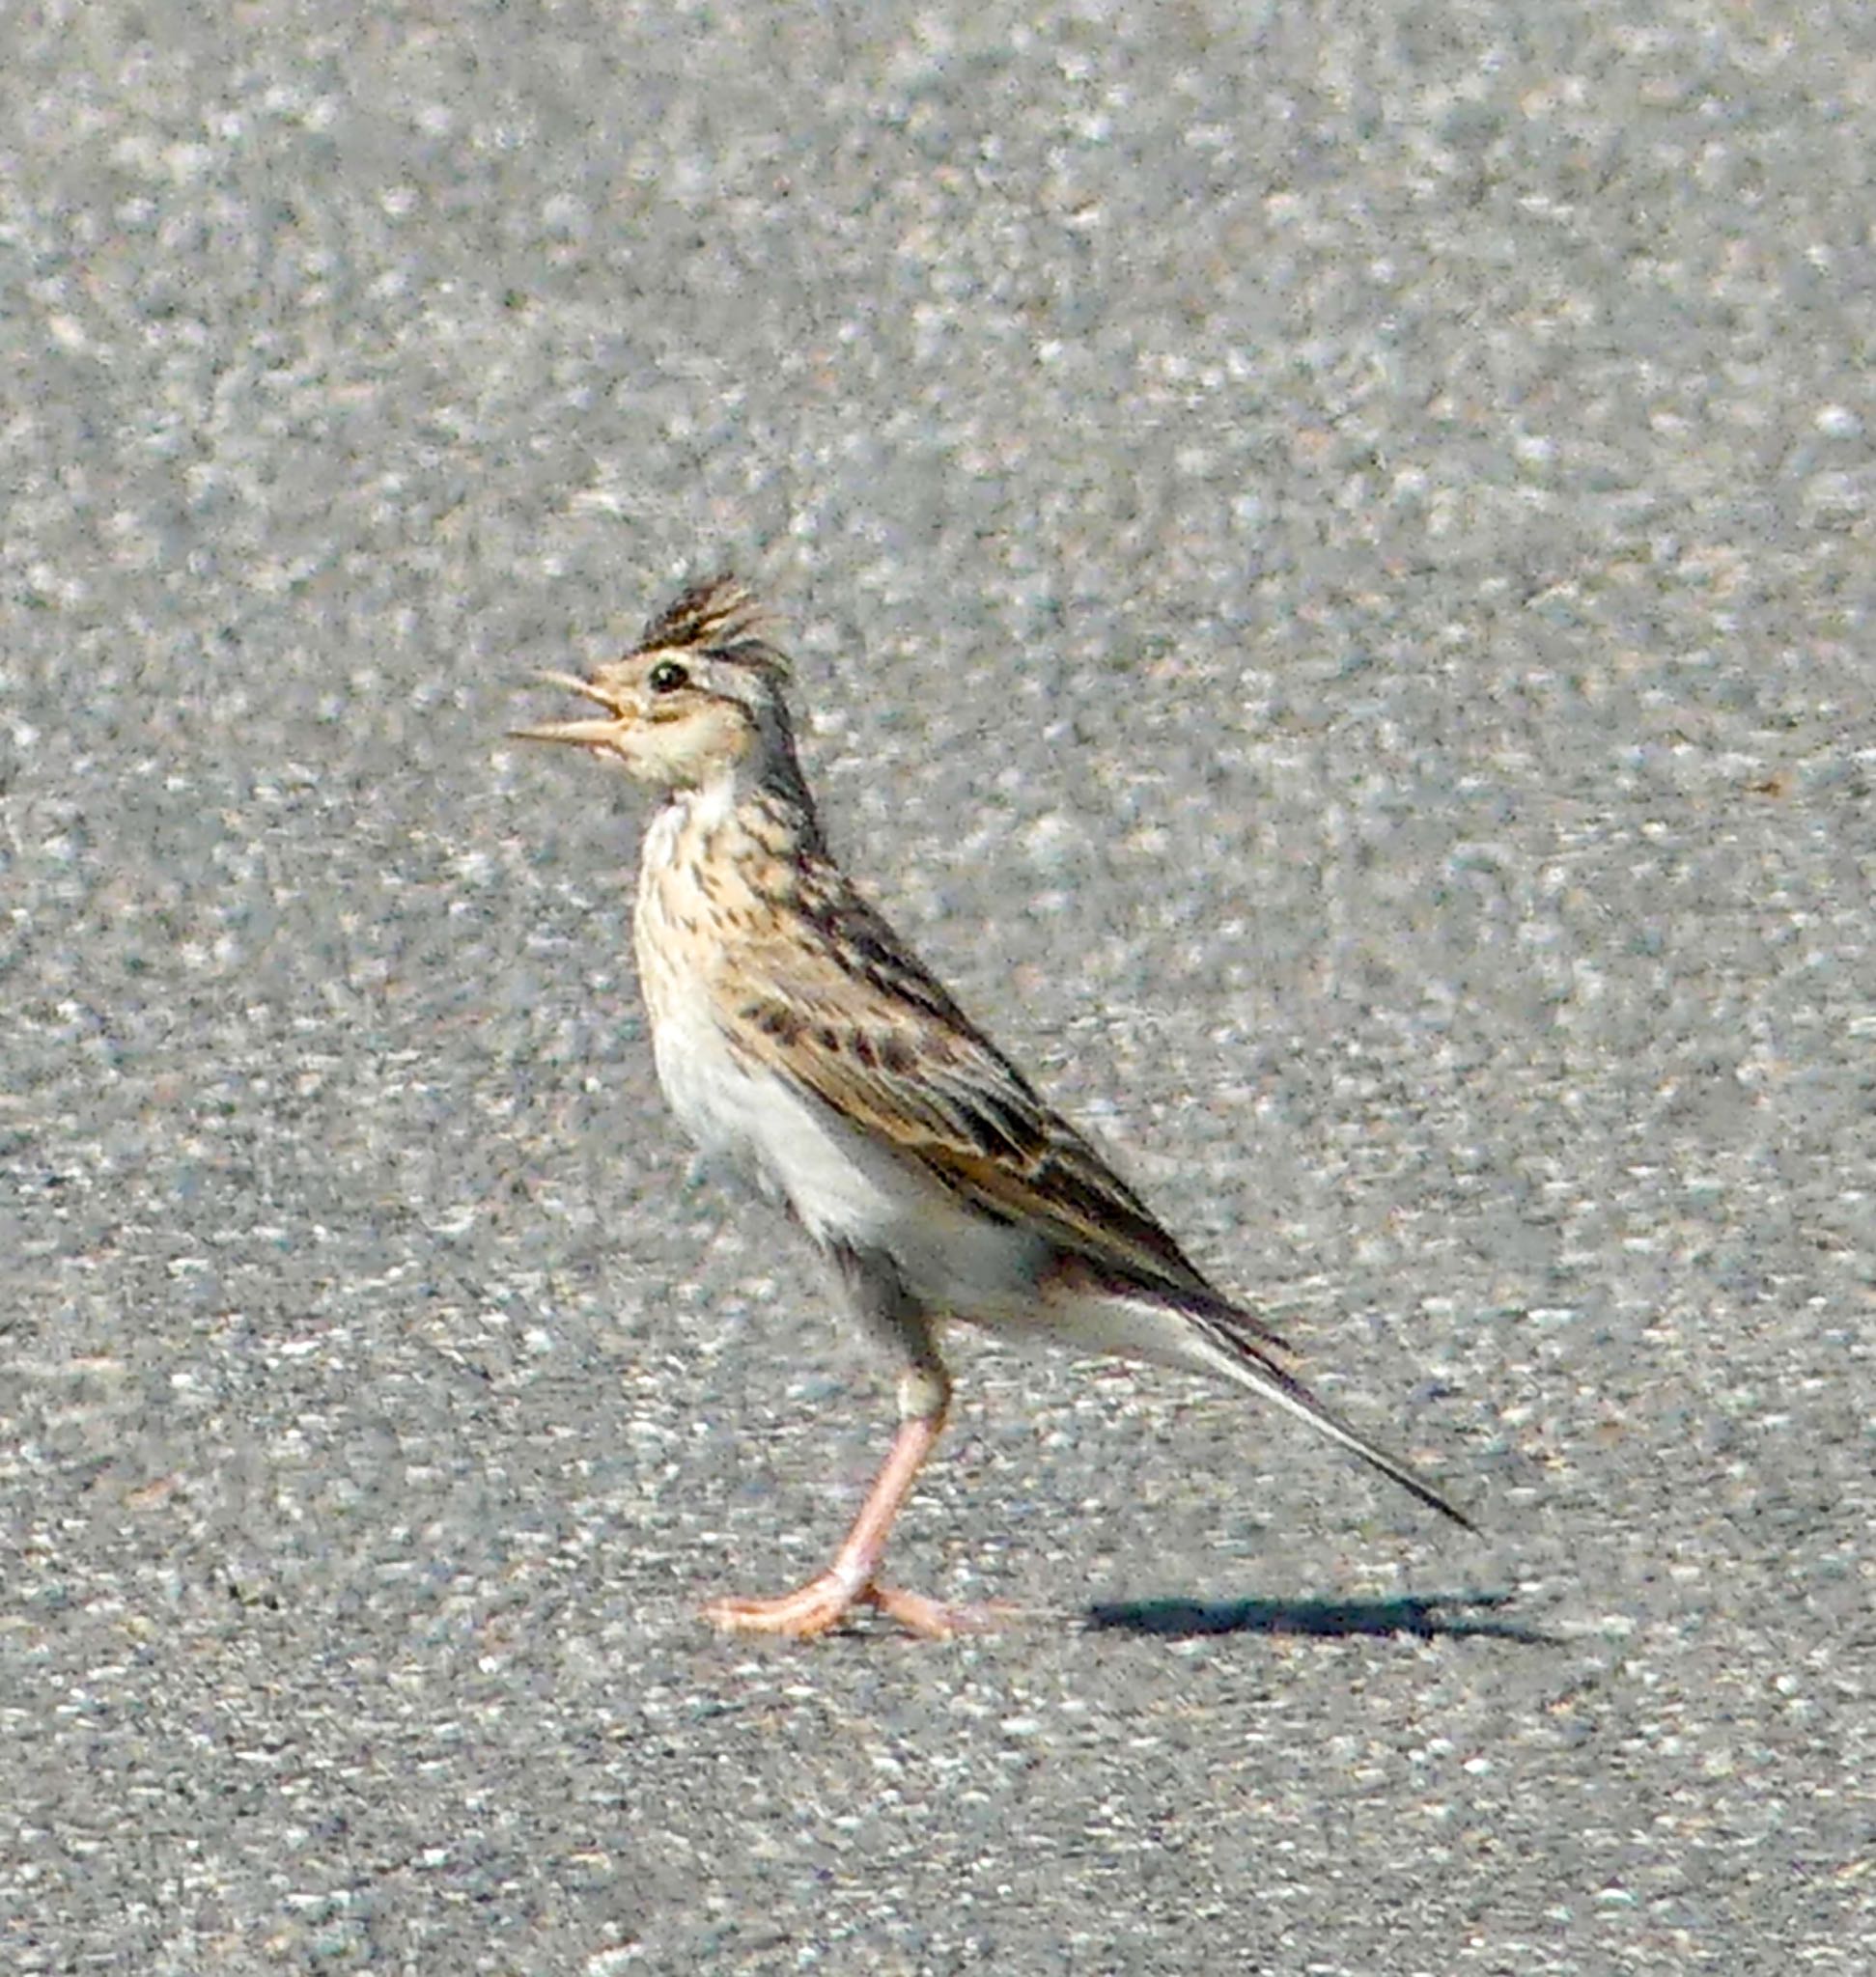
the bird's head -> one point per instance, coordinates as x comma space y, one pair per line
698, 698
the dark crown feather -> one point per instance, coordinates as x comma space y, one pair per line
721, 616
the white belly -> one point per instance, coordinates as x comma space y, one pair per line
843, 1187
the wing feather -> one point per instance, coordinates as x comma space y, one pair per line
859, 1022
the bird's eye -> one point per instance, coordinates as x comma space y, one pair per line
666, 677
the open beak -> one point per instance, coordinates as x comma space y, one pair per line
587, 734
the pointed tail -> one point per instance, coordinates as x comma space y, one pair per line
1242, 1354
1189, 1324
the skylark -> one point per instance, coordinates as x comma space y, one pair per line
797, 1038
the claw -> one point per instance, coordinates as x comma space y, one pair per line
823, 1603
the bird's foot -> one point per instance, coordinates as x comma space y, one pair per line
824, 1602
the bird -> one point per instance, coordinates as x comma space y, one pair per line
802, 1043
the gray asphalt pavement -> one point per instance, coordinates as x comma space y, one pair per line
1329, 552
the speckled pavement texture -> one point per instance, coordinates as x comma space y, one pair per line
1330, 554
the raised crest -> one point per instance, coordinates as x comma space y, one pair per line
717, 615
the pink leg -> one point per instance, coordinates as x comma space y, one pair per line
850, 1581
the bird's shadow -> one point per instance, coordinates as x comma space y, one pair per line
1434, 1616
